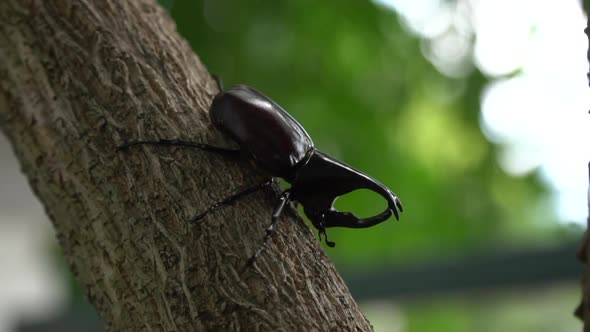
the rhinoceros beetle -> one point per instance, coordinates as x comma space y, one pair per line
279, 145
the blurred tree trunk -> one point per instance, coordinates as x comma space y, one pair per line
583, 310
79, 77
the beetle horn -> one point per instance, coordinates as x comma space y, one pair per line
393, 202
323, 179
346, 219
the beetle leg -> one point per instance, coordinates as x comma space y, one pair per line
231, 199
284, 199
271, 230
177, 142
322, 231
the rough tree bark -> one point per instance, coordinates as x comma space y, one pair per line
79, 77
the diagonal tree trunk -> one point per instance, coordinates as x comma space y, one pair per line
79, 77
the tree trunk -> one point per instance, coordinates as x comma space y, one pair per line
583, 309
77, 78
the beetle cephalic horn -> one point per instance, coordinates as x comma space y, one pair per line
323, 179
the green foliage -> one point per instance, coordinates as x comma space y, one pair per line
359, 84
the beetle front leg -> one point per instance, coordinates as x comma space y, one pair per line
186, 144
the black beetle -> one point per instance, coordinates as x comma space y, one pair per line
279, 145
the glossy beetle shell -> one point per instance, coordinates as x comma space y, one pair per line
276, 141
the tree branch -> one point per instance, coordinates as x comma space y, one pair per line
77, 78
